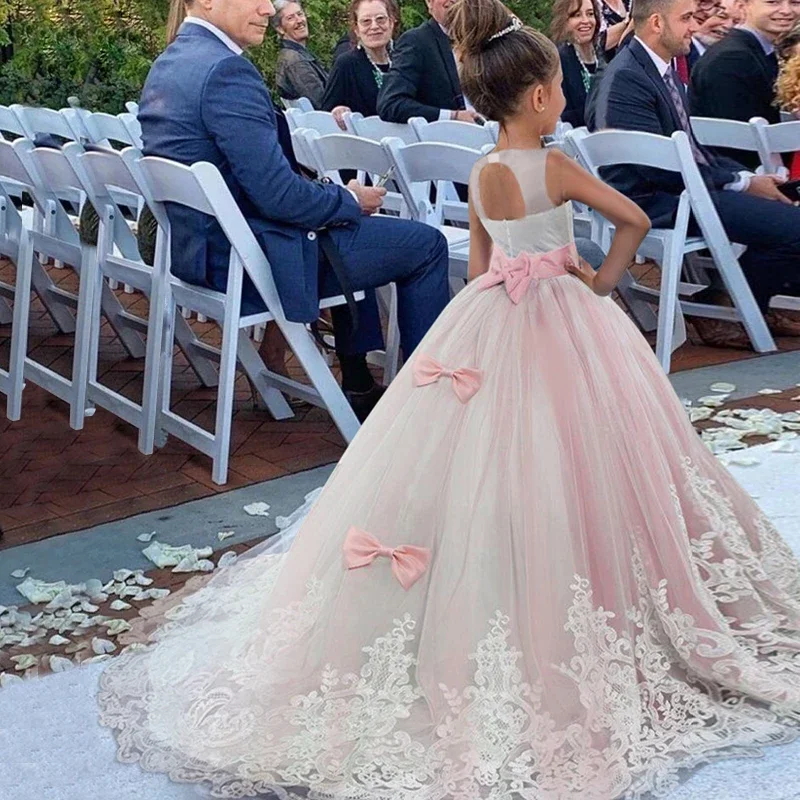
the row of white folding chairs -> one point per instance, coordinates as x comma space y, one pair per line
413, 167
50, 173
770, 142
668, 247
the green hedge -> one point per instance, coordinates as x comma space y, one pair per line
101, 50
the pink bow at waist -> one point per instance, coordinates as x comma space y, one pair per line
517, 273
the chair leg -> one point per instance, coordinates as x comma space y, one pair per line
85, 334
671, 267
204, 368
6, 312
55, 306
303, 346
152, 370
19, 329
225, 394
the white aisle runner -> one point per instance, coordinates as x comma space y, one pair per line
51, 747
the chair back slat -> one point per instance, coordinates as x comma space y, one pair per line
465, 134
339, 151
11, 123
612, 148
433, 161
726, 133
321, 121
376, 129
45, 120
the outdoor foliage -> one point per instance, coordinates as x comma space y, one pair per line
100, 50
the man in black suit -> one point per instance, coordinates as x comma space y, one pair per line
641, 91
423, 79
736, 78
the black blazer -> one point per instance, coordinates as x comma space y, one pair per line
572, 85
352, 84
423, 79
634, 97
735, 79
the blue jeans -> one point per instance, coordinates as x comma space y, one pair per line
379, 251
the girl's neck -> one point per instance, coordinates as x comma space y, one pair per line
586, 52
519, 134
377, 55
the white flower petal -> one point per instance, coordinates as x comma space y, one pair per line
102, 646
146, 537
25, 661
58, 640
722, 387
7, 679
259, 509
770, 391
120, 605
60, 664
117, 626
227, 559
20, 573
223, 535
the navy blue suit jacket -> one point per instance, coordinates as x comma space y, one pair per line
202, 102
634, 97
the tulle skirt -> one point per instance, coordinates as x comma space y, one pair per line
598, 604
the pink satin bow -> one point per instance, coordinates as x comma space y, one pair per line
466, 381
518, 272
408, 562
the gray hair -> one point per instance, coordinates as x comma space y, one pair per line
280, 7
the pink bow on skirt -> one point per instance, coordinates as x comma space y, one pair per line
408, 562
466, 381
518, 272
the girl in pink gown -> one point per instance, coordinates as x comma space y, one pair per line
527, 578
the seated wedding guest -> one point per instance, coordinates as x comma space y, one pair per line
788, 91
641, 91
423, 79
715, 28
204, 101
575, 29
735, 79
615, 24
357, 76
298, 73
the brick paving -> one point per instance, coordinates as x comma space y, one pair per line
54, 480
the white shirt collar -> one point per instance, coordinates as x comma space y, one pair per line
701, 48
221, 35
661, 65
767, 45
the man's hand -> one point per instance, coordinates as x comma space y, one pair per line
338, 114
370, 198
766, 186
466, 116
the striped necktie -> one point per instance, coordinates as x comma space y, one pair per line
680, 108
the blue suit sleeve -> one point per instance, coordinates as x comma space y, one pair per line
624, 105
237, 110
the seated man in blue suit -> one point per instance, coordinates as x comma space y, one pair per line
641, 91
204, 101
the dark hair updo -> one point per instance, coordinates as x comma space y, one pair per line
496, 70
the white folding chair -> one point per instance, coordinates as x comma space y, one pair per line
376, 129
16, 245
301, 104
465, 134
774, 141
105, 129
11, 123
726, 133
116, 255
668, 246
418, 164
132, 107
340, 151
46, 120
202, 188
321, 121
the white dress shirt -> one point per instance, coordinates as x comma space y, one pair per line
221, 35
742, 183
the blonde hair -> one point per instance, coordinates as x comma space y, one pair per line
788, 86
500, 57
177, 14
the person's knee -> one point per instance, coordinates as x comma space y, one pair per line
590, 252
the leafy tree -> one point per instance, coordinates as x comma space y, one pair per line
101, 50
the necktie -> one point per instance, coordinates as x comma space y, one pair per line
680, 108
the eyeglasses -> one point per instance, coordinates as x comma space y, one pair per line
367, 22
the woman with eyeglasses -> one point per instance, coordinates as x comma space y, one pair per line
357, 76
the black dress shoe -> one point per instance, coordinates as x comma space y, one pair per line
363, 402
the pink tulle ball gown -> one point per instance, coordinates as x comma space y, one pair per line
527, 579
